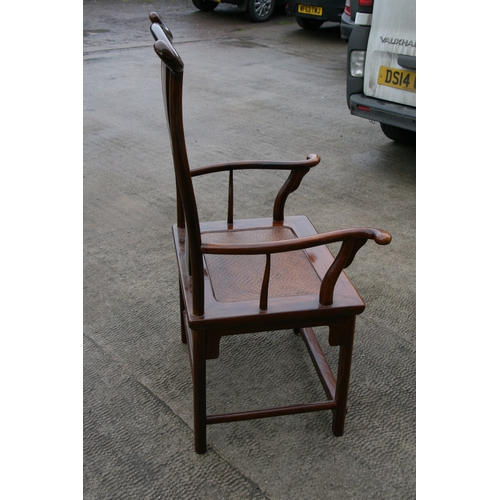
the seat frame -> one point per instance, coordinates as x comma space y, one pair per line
205, 320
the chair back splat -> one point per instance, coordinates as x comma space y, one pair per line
256, 275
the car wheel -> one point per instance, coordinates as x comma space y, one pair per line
308, 24
205, 5
260, 10
398, 134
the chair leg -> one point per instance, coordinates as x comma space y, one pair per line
200, 391
182, 308
342, 389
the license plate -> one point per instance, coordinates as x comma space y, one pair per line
397, 78
310, 9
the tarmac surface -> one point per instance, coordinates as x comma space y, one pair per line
252, 91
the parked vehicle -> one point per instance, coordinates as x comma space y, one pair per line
311, 14
346, 22
382, 66
257, 11
355, 12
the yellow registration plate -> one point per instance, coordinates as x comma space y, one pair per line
397, 78
310, 9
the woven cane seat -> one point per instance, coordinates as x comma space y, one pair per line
239, 277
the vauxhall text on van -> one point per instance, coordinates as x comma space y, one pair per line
381, 67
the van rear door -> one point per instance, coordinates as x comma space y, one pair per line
390, 66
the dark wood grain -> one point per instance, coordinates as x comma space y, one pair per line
302, 285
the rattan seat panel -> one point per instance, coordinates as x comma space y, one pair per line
239, 277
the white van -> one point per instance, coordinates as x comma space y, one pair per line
381, 68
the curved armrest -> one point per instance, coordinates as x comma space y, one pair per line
298, 170
352, 240
379, 236
311, 161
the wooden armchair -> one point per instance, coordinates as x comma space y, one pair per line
256, 275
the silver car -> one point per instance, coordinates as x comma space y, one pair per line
257, 11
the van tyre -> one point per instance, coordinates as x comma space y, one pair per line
205, 5
259, 11
398, 134
308, 24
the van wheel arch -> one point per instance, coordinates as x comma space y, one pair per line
398, 134
205, 5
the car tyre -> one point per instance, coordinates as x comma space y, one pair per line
308, 24
398, 134
205, 5
259, 11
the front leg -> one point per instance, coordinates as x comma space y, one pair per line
342, 334
199, 391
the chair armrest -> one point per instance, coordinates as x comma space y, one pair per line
298, 170
311, 161
379, 236
352, 240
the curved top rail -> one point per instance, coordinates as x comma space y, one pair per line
156, 19
163, 46
167, 53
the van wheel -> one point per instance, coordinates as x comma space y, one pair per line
205, 5
399, 134
308, 24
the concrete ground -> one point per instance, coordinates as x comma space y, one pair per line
252, 91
